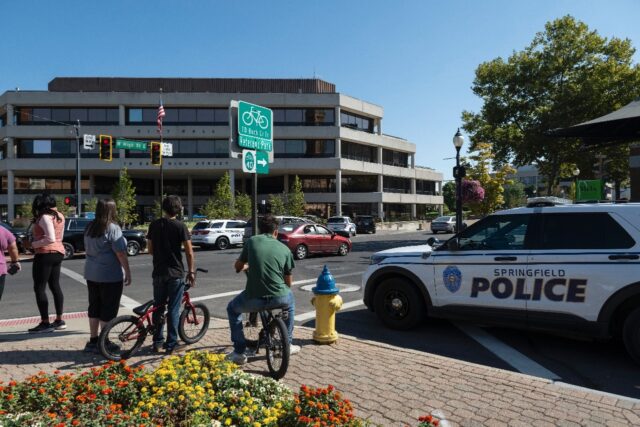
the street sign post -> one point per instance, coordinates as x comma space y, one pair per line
255, 127
128, 144
167, 149
89, 141
249, 161
262, 162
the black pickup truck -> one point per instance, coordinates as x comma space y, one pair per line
73, 239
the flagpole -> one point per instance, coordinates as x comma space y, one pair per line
161, 159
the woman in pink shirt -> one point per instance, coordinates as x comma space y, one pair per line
48, 228
7, 244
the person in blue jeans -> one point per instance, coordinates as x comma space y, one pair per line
166, 238
269, 265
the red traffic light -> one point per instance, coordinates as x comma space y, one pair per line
67, 201
106, 148
156, 154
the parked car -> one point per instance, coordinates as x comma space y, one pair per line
282, 219
73, 238
306, 239
342, 225
220, 233
445, 224
365, 224
19, 234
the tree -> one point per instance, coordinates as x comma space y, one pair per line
567, 75
449, 195
221, 204
295, 199
276, 201
243, 205
90, 204
479, 168
124, 194
514, 195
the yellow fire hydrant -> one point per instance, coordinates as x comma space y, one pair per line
327, 302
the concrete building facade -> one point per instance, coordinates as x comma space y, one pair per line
333, 142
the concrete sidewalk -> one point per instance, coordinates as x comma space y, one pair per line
388, 385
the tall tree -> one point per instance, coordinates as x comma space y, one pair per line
221, 204
514, 195
276, 201
242, 205
124, 194
492, 182
295, 198
90, 204
449, 195
567, 75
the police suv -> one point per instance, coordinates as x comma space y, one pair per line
572, 268
220, 233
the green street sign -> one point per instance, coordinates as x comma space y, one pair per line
589, 189
262, 162
249, 161
128, 144
255, 127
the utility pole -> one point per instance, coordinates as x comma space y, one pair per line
78, 178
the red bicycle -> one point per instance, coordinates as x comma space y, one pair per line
123, 336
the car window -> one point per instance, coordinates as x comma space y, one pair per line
201, 225
496, 232
583, 230
217, 224
235, 224
321, 230
287, 228
309, 229
336, 220
442, 219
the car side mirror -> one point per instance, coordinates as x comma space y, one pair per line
432, 240
453, 244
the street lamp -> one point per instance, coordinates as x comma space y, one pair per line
576, 172
458, 173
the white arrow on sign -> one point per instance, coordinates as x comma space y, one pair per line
262, 162
89, 141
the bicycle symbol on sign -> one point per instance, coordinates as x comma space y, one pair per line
249, 117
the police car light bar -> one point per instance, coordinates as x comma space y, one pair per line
533, 202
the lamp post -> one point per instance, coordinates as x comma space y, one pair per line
576, 172
458, 173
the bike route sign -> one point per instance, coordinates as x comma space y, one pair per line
255, 127
249, 161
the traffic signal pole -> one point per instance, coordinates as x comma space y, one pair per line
78, 179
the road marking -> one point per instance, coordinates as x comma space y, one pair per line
508, 354
335, 276
36, 319
312, 314
125, 301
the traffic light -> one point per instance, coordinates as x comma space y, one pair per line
70, 201
106, 148
156, 153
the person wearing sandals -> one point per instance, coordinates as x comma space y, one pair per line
106, 269
48, 229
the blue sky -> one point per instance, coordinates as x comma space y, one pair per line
414, 58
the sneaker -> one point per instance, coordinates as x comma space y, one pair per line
59, 325
294, 349
42, 327
112, 347
237, 358
156, 348
91, 347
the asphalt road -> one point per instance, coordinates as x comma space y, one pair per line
595, 365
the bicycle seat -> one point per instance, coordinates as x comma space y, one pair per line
141, 309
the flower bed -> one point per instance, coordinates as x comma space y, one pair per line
199, 388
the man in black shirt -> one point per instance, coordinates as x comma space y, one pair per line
166, 237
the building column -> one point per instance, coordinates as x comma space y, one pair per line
286, 183
379, 125
11, 211
413, 192
338, 150
339, 192
232, 182
413, 161
10, 118
380, 155
189, 196
380, 190
92, 186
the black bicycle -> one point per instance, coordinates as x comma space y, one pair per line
273, 336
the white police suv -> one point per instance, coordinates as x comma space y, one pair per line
220, 233
569, 268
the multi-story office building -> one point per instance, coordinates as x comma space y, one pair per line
332, 142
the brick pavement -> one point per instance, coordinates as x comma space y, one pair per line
391, 386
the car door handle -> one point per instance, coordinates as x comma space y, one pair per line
624, 256
506, 258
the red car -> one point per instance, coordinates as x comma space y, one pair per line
305, 239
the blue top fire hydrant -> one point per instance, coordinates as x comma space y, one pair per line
327, 302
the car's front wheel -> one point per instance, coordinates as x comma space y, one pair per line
133, 248
222, 243
301, 252
69, 250
343, 249
399, 304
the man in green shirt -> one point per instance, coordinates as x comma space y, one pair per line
269, 265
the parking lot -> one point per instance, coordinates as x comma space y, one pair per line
603, 366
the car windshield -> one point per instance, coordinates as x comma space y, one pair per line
201, 225
335, 220
443, 219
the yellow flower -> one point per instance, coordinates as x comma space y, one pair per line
257, 424
246, 419
227, 422
181, 398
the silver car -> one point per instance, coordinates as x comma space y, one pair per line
342, 224
446, 224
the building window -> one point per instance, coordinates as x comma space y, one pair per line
191, 148
426, 187
271, 185
66, 116
34, 185
357, 122
296, 148
54, 148
315, 184
303, 117
397, 211
360, 184
144, 187
178, 116
353, 151
393, 184
395, 158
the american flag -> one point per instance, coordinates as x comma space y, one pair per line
161, 115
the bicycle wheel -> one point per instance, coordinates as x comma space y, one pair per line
277, 349
251, 326
121, 337
247, 118
193, 323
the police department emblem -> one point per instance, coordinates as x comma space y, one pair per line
452, 278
